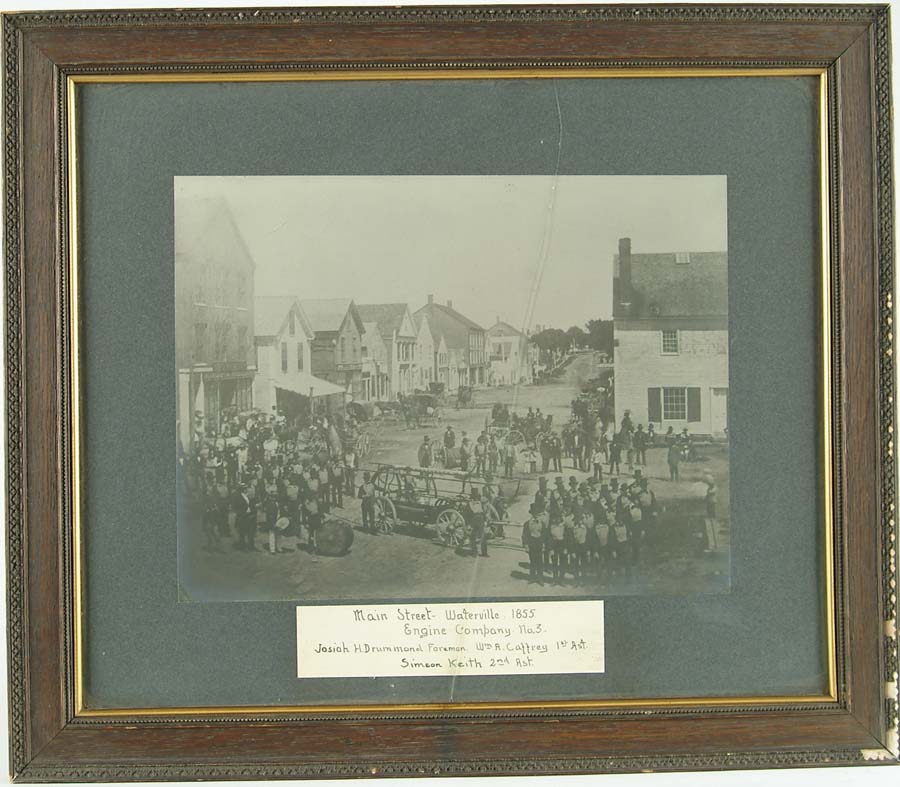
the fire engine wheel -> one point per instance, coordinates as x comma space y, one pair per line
385, 515
514, 437
451, 527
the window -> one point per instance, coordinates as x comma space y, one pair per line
292, 328
674, 404
682, 257
343, 349
299, 357
216, 291
200, 341
365, 351
241, 342
284, 356
670, 342
199, 285
227, 349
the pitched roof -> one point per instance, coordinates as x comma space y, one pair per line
270, 313
372, 334
662, 287
326, 314
205, 229
388, 316
501, 328
449, 324
419, 320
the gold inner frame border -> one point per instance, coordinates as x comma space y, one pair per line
830, 698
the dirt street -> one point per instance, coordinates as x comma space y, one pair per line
413, 563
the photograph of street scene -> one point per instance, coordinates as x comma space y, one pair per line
451, 388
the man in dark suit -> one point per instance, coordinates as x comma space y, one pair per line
244, 508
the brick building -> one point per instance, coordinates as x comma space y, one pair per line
214, 348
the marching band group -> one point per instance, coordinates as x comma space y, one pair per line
588, 529
256, 474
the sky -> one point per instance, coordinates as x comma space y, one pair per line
533, 250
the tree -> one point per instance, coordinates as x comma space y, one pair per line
600, 335
551, 342
577, 336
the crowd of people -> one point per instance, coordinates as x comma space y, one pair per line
589, 529
257, 473
486, 455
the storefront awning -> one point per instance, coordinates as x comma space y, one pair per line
301, 383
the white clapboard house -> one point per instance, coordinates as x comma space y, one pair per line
670, 316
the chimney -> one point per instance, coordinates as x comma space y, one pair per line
449, 304
625, 273
430, 300
498, 318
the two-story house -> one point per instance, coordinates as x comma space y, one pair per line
463, 338
670, 314
399, 333
284, 382
425, 353
443, 371
336, 348
214, 351
509, 354
376, 381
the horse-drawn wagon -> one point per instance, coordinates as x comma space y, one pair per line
502, 427
427, 408
465, 396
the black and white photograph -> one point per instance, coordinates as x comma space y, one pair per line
451, 387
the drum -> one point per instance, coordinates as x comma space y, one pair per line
334, 538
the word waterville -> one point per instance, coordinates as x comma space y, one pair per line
501, 638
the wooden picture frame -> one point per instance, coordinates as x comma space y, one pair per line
50, 740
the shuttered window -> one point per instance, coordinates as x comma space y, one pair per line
674, 404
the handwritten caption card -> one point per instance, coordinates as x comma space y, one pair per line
501, 638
